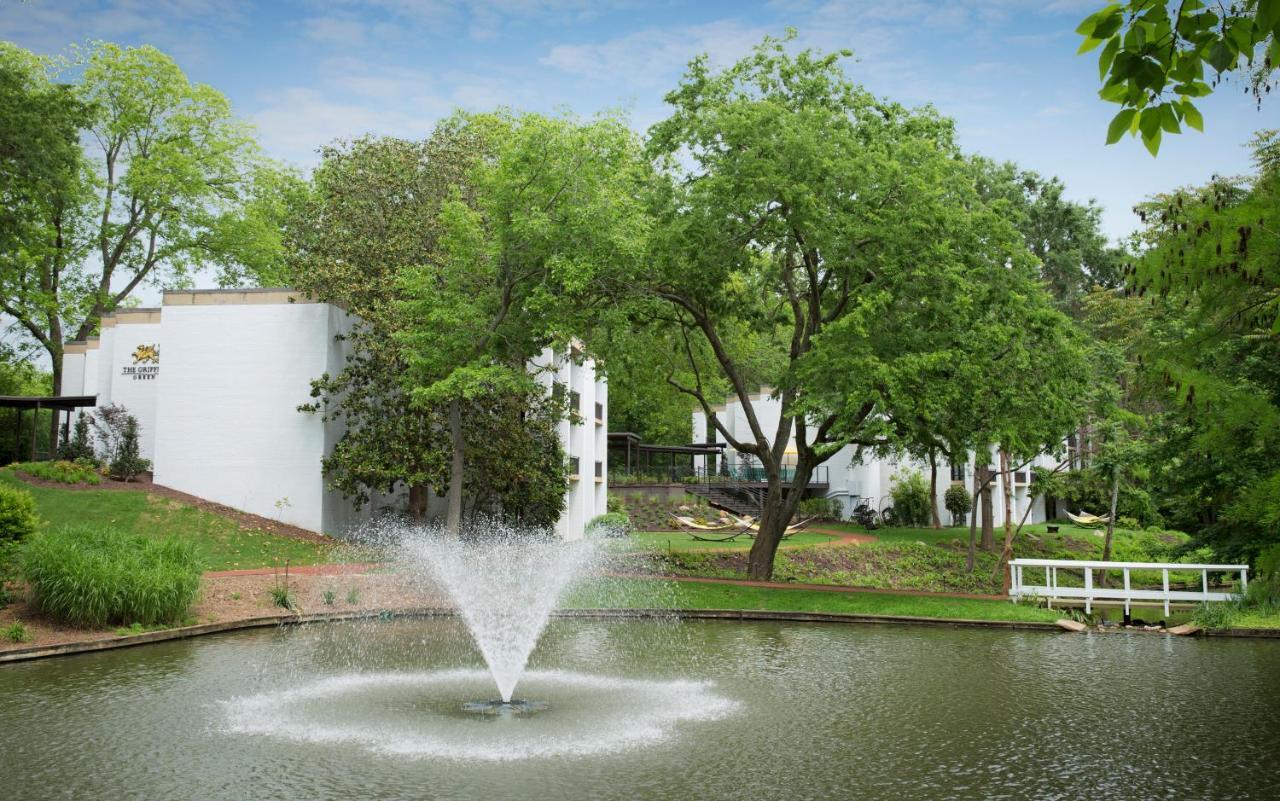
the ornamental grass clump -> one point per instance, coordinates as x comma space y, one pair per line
92, 577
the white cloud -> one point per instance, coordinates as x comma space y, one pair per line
334, 31
179, 27
650, 57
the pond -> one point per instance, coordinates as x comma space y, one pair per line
653, 710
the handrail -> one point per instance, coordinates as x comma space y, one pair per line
1132, 565
1089, 593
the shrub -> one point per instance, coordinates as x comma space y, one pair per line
614, 503
282, 595
89, 576
61, 471
958, 501
127, 463
79, 446
1215, 616
18, 518
16, 632
910, 495
8, 570
613, 524
824, 508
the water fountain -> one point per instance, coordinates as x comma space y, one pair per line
505, 584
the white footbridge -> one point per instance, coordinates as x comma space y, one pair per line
1023, 586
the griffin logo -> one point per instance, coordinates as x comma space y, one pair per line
146, 354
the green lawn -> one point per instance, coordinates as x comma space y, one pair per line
946, 534
650, 593
683, 541
221, 543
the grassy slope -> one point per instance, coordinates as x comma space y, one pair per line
922, 558
222, 544
625, 593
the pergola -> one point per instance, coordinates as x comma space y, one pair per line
637, 456
55, 403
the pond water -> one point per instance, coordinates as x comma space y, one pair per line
698, 710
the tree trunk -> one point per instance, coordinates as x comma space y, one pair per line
933, 489
55, 358
453, 522
776, 512
418, 499
1006, 478
988, 529
1111, 525
979, 474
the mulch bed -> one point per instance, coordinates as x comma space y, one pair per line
243, 597
144, 483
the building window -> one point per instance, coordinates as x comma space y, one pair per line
599, 410
573, 466
957, 471
599, 469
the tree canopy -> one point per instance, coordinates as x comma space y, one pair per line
1154, 54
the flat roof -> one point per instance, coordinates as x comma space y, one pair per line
66, 402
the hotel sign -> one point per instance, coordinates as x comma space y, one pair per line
146, 363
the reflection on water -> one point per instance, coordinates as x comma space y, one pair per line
805, 711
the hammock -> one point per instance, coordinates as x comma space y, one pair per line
705, 533
752, 527
1086, 519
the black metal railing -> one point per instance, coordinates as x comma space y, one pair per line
738, 473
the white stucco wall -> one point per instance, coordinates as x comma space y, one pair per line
73, 373
228, 428
134, 385
220, 421
583, 437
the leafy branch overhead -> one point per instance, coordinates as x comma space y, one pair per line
1155, 53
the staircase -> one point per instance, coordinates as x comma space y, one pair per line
734, 499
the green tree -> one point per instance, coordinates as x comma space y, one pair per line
555, 202
371, 212
1064, 235
167, 170
825, 243
1154, 54
1209, 279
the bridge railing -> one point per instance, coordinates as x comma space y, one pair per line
1024, 572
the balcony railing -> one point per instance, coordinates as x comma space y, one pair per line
733, 474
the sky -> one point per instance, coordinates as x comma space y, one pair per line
307, 72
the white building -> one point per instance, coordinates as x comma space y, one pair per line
219, 417
851, 480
